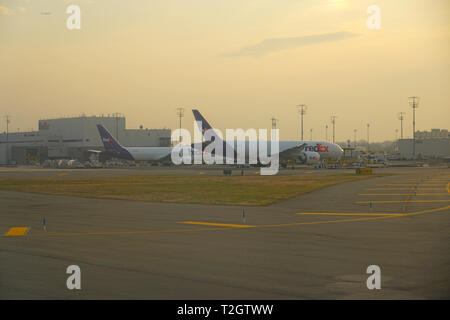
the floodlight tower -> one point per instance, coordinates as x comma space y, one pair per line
302, 110
333, 122
414, 103
401, 117
368, 143
180, 114
354, 131
396, 140
7, 138
326, 132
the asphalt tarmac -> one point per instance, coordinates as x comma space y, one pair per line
315, 246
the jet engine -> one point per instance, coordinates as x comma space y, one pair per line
310, 157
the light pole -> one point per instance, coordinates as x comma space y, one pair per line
302, 110
368, 143
333, 122
354, 131
414, 103
401, 117
326, 132
310, 131
180, 114
396, 140
7, 138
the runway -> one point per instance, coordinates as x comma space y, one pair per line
314, 246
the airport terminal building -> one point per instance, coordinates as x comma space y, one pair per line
71, 138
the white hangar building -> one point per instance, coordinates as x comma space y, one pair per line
70, 138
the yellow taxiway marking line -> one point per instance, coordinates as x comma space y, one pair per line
217, 224
402, 194
410, 184
402, 201
116, 233
356, 219
426, 211
403, 189
443, 177
228, 228
16, 231
427, 180
351, 214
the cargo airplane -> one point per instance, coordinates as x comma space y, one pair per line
307, 152
113, 149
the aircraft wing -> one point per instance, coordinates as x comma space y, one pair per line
292, 153
94, 151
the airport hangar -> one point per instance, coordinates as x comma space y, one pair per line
434, 143
71, 138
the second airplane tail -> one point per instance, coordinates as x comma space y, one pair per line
108, 140
112, 146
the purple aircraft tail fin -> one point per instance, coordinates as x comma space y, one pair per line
199, 118
112, 146
206, 126
108, 140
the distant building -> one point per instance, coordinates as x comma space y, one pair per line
433, 134
434, 143
70, 138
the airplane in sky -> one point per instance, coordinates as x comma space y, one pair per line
307, 152
113, 149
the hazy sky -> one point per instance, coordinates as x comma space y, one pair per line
239, 62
